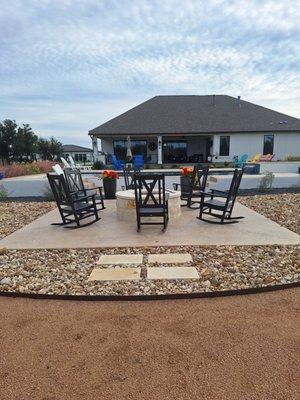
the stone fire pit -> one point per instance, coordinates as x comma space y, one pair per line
126, 205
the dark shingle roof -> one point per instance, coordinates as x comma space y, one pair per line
197, 114
73, 147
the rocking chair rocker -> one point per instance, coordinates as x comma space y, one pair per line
225, 207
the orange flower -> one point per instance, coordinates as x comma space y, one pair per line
108, 174
186, 170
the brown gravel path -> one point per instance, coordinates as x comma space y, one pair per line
243, 347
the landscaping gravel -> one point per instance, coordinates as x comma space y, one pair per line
15, 215
66, 272
281, 208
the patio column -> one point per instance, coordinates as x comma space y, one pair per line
159, 149
95, 148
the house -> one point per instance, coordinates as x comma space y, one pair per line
78, 153
176, 129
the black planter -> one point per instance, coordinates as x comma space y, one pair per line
110, 187
185, 184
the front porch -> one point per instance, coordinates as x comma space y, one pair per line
159, 149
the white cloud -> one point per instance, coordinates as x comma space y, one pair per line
59, 56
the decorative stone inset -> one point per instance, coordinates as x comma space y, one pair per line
115, 274
112, 259
172, 273
170, 258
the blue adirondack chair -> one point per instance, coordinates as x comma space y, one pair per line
241, 161
138, 161
117, 164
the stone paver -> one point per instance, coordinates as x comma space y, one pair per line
120, 259
115, 274
172, 273
170, 258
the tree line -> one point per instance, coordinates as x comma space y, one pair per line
20, 143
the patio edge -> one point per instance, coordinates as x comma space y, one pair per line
170, 296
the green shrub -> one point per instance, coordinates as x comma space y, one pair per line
3, 193
266, 182
98, 165
292, 158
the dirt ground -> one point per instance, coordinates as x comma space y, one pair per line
242, 347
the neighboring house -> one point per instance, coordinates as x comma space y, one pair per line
173, 129
78, 153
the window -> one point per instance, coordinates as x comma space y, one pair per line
80, 157
174, 151
137, 147
268, 144
224, 145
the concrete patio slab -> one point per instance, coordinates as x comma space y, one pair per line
254, 229
170, 258
172, 273
120, 259
115, 274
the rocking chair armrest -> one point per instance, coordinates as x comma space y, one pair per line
95, 188
212, 194
219, 193
90, 196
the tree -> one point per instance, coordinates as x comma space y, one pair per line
21, 143
49, 149
25, 146
8, 133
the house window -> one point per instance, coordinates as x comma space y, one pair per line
174, 151
224, 145
137, 147
80, 157
268, 144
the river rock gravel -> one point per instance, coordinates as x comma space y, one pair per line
15, 215
66, 272
281, 208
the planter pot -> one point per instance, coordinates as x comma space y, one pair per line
185, 184
110, 187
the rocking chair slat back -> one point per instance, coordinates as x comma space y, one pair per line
59, 189
128, 176
74, 179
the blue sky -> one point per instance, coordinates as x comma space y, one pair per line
67, 66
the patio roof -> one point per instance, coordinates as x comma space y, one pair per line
169, 115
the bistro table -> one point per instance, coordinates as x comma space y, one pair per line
126, 210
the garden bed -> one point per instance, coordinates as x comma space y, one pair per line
220, 268
283, 208
15, 215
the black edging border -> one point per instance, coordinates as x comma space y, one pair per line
170, 296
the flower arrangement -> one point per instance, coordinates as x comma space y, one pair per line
110, 175
186, 171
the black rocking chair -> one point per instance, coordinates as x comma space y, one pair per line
225, 206
151, 199
191, 194
76, 185
128, 176
72, 209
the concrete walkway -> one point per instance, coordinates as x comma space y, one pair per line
255, 229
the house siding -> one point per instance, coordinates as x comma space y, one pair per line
284, 144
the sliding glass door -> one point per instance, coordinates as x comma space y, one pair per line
174, 151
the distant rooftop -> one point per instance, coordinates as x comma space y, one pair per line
197, 114
73, 148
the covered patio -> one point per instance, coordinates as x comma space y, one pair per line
158, 149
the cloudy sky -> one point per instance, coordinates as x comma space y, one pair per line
67, 66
